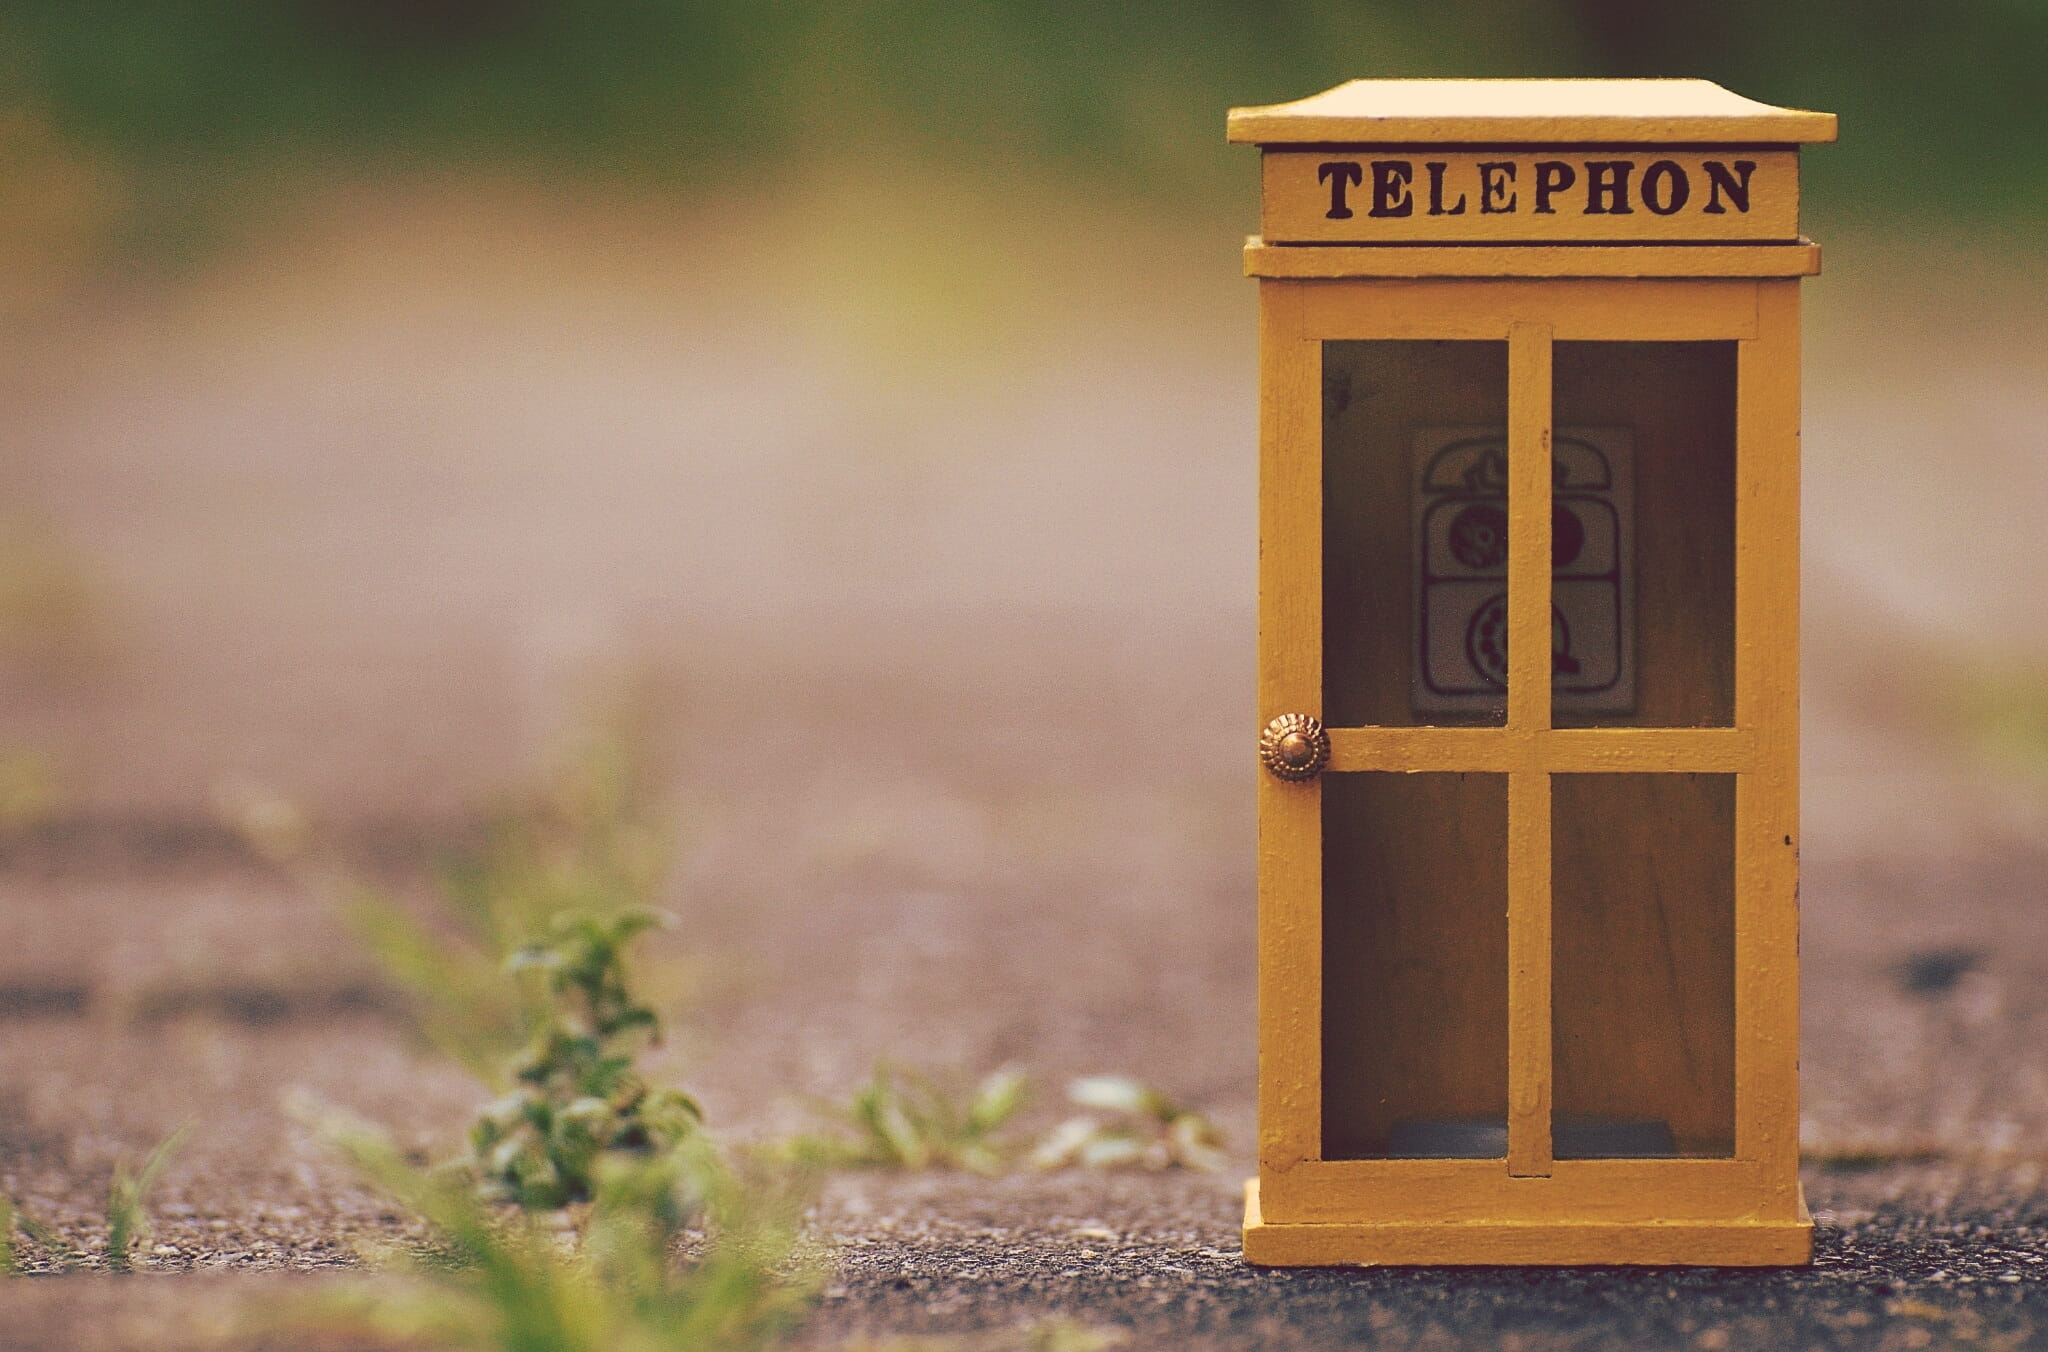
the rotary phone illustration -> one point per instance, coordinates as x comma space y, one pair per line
1461, 568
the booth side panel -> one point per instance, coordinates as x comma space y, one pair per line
1767, 703
1290, 681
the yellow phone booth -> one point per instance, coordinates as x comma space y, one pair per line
1528, 674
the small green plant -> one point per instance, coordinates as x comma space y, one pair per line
498, 1280
523, 980
1129, 1122
126, 1194
577, 1097
127, 1219
902, 1119
48, 1243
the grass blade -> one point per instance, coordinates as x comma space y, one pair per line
126, 1195
49, 1242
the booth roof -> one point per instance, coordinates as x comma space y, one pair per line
1548, 112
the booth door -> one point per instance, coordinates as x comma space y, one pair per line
1499, 561
1415, 528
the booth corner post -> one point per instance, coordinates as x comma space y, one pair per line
1528, 690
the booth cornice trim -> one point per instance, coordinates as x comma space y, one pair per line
1311, 261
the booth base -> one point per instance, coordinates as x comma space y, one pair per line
1549, 1243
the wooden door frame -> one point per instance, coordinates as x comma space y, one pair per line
1760, 1182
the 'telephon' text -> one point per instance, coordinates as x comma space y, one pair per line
1605, 187
1457, 194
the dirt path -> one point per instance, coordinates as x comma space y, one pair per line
1908, 1258
957, 653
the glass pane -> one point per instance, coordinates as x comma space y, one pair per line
1414, 533
1642, 965
1643, 526
1415, 999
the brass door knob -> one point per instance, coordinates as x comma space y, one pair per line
1294, 747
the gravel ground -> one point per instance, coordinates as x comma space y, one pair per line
1931, 1255
178, 977
957, 644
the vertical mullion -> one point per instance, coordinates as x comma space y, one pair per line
1529, 974
1529, 473
1529, 675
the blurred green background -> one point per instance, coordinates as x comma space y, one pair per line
184, 102
376, 363
867, 395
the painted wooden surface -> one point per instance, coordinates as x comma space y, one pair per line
1454, 1191
1383, 194
1290, 678
1529, 566
1637, 112
1767, 699
1744, 1242
1564, 750
1529, 711
1490, 913
1649, 310
1531, 1079
1642, 934
1263, 259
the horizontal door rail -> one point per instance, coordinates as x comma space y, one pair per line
1727, 751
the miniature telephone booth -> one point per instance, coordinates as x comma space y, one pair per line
1528, 674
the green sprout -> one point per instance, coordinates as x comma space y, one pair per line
502, 1281
522, 979
1129, 1123
126, 1193
576, 1096
47, 1241
902, 1119
127, 1219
